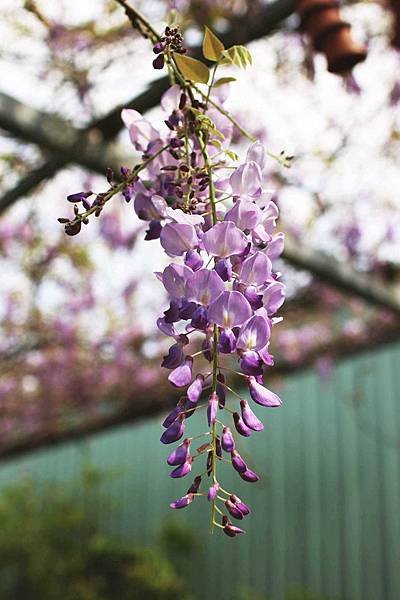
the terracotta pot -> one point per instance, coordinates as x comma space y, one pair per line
341, 52
320, 19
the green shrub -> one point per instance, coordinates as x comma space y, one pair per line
50, 549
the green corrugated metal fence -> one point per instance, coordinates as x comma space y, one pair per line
325, 515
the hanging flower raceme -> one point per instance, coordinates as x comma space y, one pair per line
216, 221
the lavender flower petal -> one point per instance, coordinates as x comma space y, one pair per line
254, 334
182, 502
204, 286
180, 454
249, 476
229, 310
224, 239
178, 238
249, 418
174, 432
227, 440
182, 375
240, 426
261, 395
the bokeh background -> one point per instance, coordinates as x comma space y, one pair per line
84, 488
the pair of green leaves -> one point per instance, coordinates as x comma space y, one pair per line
214, 51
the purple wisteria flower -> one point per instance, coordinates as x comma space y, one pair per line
216, 221
224, 293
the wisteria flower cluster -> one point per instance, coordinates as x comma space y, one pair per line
216, 222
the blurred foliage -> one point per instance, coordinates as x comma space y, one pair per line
51, 548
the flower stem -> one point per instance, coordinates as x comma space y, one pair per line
120, 187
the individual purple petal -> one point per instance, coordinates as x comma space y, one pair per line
180, 454
141, 131
170, 418
229, 310
276, 246
254, 334
200, 318
255, 299
266, 357
174, 358
249, 418
251, 363
227, 440
159, 61
237, 462
274, 297
166, 328
246, 180
187, 309
174, 431
256, 153
194, 488
193, 260
249, 476
177, 238
245, 214
264, 199
229, 529
244, 509
79, 196
195, 388
182, 375
227, 341
224, 269
149, 208
182, 502
204, 286
240, 426
256, 269
183, 469
261, 395
213, 491
154, 230
234, 511
174, 279
170, 99
178, 216
171, 315
224, 239
263, 232
212, 409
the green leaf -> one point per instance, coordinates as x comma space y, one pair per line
218, 133
232, 155
224, 80
216, 143
237, 55
191, 68
212, 46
